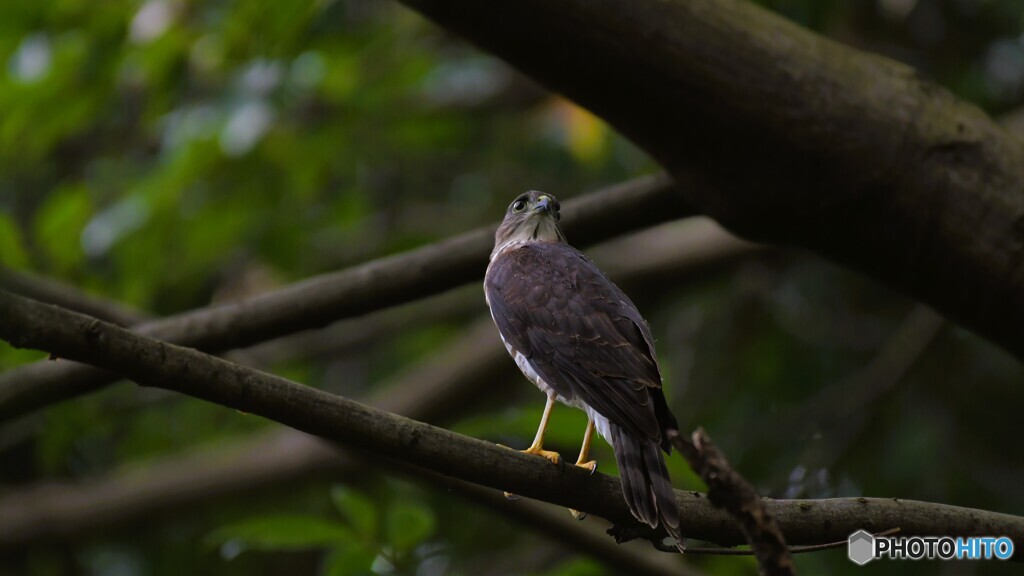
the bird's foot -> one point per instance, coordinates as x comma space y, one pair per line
555, 457
551, 455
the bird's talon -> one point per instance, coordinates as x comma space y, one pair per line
580, 516
511, 497
592, 466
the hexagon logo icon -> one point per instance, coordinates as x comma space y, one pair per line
861, 547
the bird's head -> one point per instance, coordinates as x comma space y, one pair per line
532, 217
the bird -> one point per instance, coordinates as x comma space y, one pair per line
582, 341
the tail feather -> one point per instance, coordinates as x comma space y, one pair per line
645, 482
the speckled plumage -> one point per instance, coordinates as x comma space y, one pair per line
574, 333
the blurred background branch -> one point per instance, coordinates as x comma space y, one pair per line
65, 296
318, 301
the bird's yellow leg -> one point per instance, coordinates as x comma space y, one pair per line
588, 437
582, 462
538, 441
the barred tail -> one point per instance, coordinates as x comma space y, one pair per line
645, 482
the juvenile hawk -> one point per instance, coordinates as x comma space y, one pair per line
581, 340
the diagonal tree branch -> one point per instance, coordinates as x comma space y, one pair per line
26, 323
727, 489
431, 391
321, 300
787, 137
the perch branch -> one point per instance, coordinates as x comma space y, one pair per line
26, 323
430, 391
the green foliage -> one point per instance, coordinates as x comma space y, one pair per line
355, 544
12, 246
348, 561
357, 509
409, 523
278, 533
580, 567
59, 223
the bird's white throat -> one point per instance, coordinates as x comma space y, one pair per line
539, 229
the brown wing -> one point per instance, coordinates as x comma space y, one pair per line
580, 333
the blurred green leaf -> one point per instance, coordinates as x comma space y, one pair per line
578, 567
348, 561
357, 509
282, 532
12, 247
58, 227
409, 523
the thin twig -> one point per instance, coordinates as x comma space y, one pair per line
792, 549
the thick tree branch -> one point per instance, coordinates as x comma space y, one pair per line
321, 300
431, 391
67, 334
788, 137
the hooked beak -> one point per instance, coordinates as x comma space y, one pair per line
543, 204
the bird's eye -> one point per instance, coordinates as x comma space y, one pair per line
518, 205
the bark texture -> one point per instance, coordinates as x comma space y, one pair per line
787, 137
26, 323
